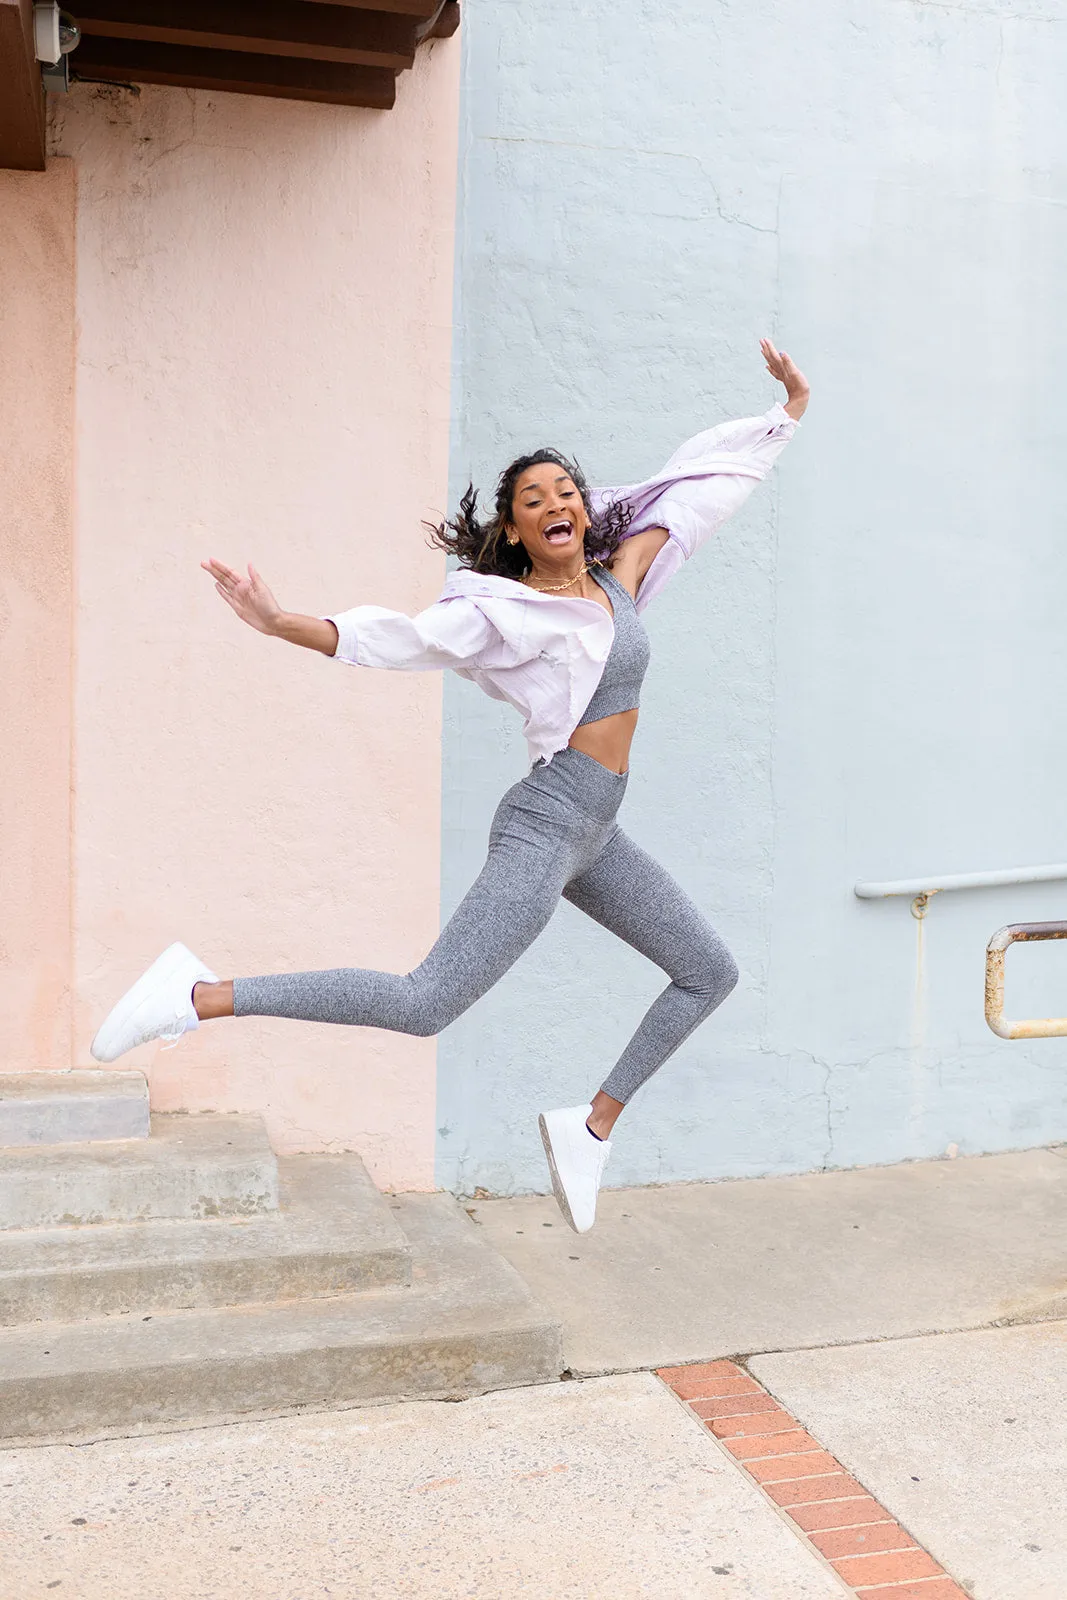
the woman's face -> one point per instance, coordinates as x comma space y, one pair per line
547, 516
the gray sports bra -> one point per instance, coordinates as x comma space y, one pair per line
619, 688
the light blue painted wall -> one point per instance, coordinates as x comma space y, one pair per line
864, 677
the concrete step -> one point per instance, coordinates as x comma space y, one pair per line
196, 1166
334, 1234
466, 1325
72, 1107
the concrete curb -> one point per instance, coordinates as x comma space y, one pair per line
199, 1166
334, 1234
466, 1325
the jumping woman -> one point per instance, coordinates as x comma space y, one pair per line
543, 612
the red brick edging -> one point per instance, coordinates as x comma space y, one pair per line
862, 1541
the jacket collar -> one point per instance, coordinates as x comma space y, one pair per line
487, 586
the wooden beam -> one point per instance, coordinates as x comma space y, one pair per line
445, 23
421, 10
236, 72
21, 95
271, 27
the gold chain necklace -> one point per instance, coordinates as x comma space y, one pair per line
557, 588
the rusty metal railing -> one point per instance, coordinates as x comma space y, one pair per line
996, 950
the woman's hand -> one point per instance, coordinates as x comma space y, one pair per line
785, 369
254, 604
249, 597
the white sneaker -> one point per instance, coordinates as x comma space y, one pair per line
576, 1162
159, 1006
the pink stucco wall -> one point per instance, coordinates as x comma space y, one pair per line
264, 302
36, 405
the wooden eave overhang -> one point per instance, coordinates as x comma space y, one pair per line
340, 52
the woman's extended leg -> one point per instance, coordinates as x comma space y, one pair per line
631, 895
508, 905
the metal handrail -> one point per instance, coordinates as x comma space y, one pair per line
934, 883
923, 888
1034, 1027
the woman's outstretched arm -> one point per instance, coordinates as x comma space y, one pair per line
640, 549
451, 633
254, 604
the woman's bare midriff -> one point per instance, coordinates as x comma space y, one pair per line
607, 741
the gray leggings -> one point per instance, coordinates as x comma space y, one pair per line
554, 834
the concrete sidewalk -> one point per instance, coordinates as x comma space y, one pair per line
870, 1278
691, 1271
605, 1490
962, 1436
927, 1462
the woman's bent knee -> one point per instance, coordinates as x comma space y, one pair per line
430, 1010
425, 1020
716, 975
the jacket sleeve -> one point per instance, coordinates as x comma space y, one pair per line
706, 480
711, 476
451, 633
756, 442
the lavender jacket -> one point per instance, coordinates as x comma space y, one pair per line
543, 653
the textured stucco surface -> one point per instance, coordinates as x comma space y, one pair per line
265, 304
37, 406
859, 678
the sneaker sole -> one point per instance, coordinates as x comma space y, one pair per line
119, 1015
557, 1186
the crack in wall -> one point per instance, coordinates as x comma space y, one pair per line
635, 150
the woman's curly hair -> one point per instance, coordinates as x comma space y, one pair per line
483, 546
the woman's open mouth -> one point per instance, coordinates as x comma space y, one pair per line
558, 532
